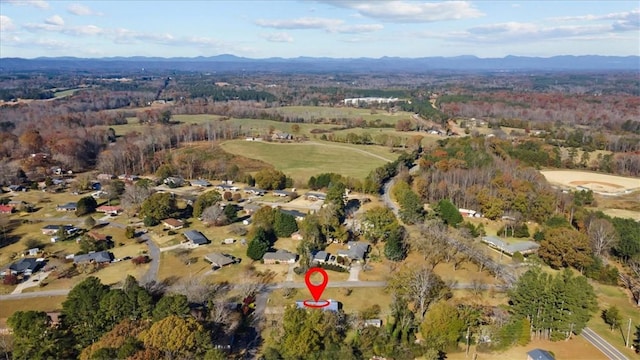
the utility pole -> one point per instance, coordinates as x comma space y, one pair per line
628, 333
467, 354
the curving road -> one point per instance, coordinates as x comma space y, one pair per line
601, 344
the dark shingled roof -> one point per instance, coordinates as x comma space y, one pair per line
196, 237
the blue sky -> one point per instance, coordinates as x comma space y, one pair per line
333, 28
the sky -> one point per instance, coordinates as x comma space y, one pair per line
329, 28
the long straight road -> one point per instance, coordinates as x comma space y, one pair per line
601, 344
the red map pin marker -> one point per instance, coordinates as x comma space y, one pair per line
316, 290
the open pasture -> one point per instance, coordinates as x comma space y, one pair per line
302, 160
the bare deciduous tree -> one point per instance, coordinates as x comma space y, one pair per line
602, 235
420, 286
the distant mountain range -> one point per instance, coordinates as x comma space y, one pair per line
232, 63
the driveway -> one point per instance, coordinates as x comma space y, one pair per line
354, 271
154, 265
33, 280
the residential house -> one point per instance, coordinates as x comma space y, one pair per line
226, 187
128, 177
104, 177
174, 181
98, 194
110, 210
469, 213
200, 183
96, 236
195, 237
333, 304
173, 224
283, 193
254, 191
219, 260
298, 215
524, 247
24, 266
53, 229
320, 257
70, 206
6, 209
373, 322
315, 196
100, 257
280, 257
539, 354
16, 188
250, 208
356, 250
281, 136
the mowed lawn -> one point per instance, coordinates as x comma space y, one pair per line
304, 160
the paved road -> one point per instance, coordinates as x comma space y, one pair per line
386, 197
607, 349
45, 293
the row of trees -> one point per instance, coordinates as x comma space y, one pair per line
99, 322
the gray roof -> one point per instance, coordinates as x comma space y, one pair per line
25, 264
321, 255
196, 237
218, 259
523, 247
333, 304
57, 227
539, 354
200, 182
254, 190
317, 195
98, 257
295, 213
251, 207
280, 255
357, 250
69, 205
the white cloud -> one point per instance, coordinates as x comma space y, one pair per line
82, 10
300, 23
358, 29
54, 20
329, 25
281, 37
400, 11
6, 24
40, 4
522, 32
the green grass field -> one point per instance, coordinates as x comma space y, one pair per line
303, 160
325, 112
615, 296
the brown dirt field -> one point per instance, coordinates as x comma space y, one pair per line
576, 348
574, 178
605, 184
